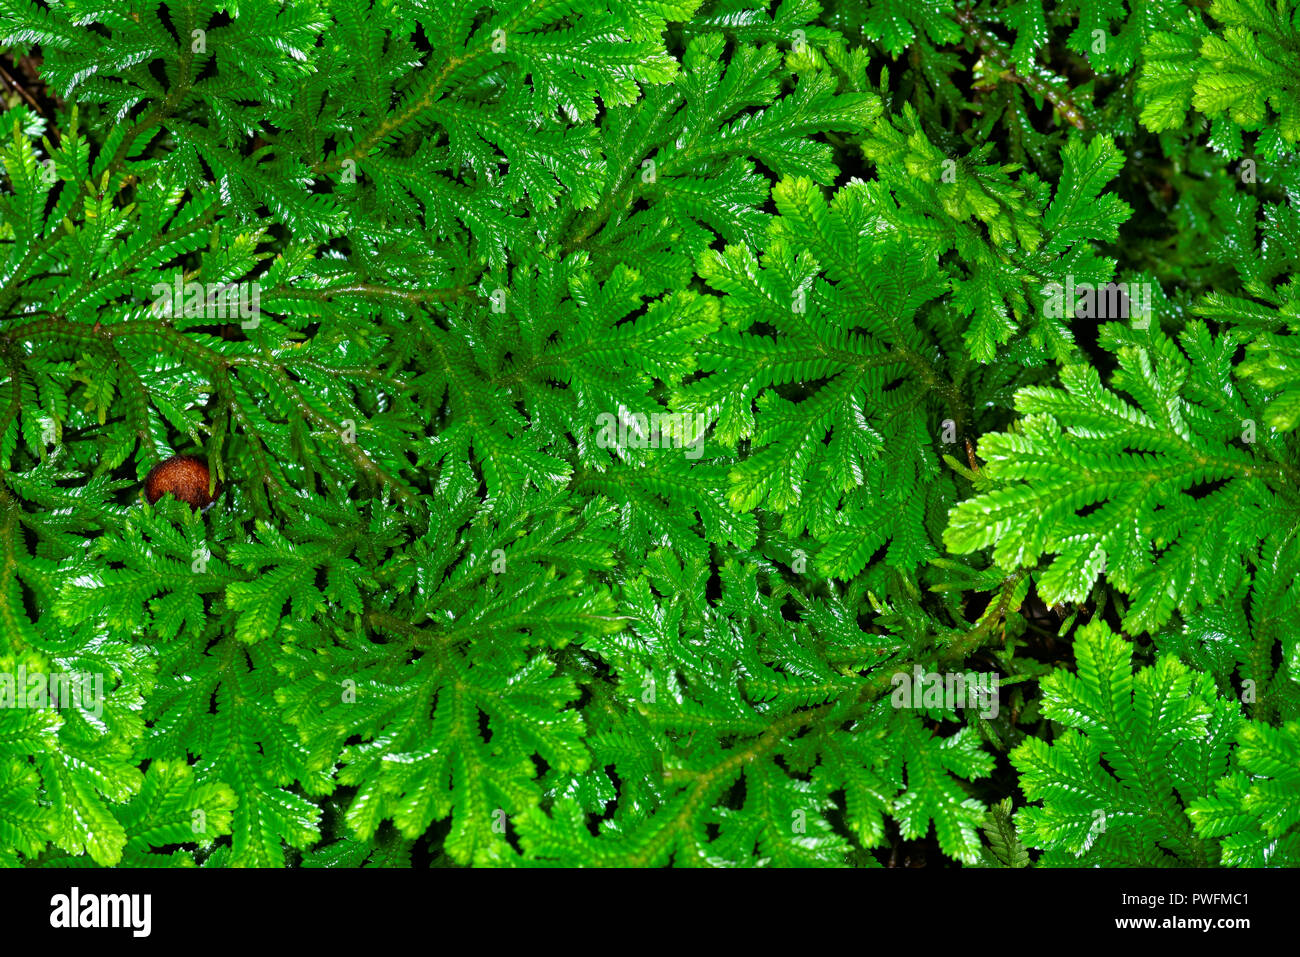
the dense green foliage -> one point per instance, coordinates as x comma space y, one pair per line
635, 389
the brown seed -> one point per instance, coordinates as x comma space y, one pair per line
185, 477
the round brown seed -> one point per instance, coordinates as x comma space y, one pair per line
185, 477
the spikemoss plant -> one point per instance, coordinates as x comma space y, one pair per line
616, 403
